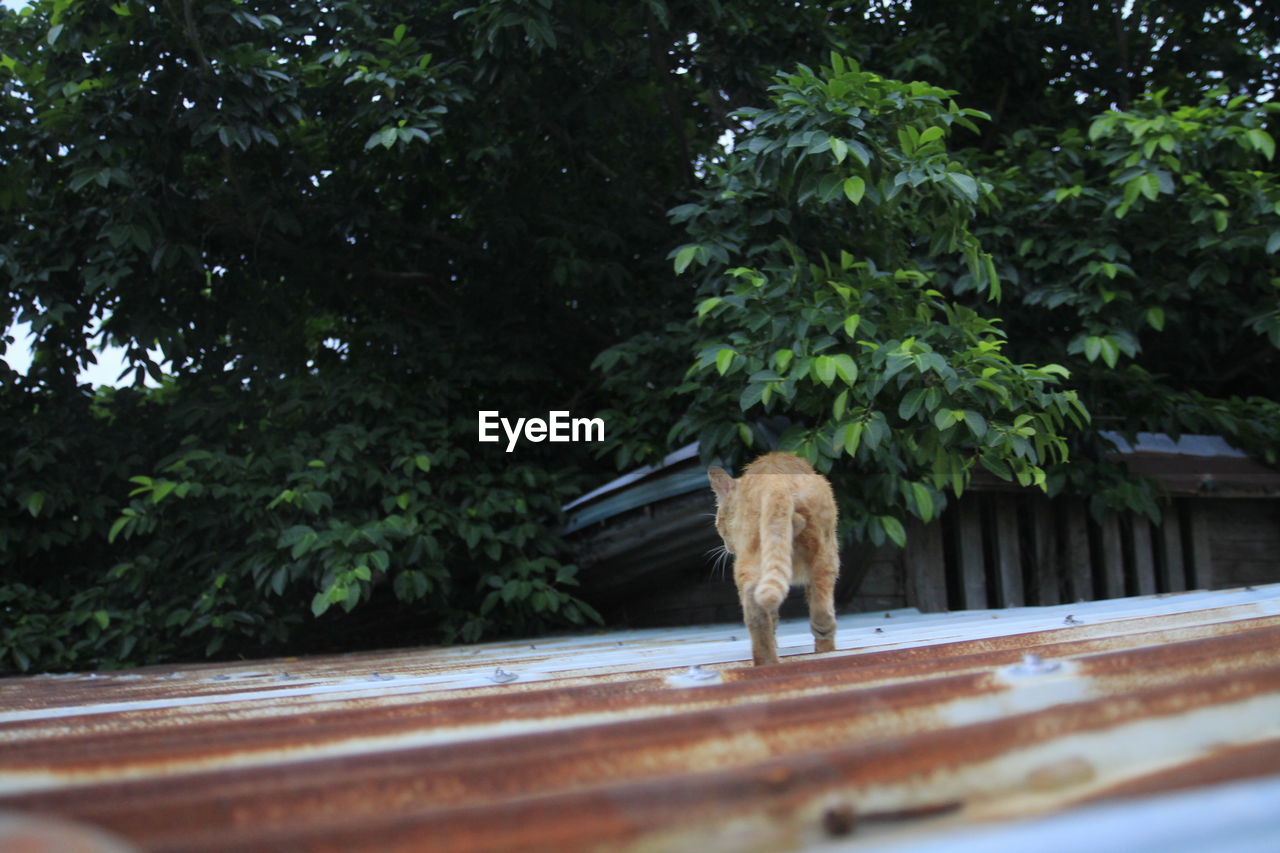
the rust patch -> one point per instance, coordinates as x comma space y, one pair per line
1226, 764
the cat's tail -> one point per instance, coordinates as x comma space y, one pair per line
775, 551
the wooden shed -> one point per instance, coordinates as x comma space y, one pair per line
646, 541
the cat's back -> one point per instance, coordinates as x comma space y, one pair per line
779, 462
781, 474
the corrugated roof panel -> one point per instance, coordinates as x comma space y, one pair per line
662, 739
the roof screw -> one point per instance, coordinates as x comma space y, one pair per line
697, 673
501, 676
1071, 620
1033, 664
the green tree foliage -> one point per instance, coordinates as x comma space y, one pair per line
1143, 245
843, 199
332, 232
328, 233
315, 222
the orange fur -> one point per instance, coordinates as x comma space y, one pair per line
779, 521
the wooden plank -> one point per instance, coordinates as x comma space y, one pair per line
925, 570
1075, 550
969, 550
1008, 552
1170, 571
1244, 538
1201, 552
1112, 558
1047, 571
1144, 566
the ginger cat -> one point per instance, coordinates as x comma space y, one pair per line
779, 521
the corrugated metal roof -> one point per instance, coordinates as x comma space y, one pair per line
920, 729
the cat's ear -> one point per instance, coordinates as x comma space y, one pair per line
721, 482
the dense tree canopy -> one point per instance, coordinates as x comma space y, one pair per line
347, 227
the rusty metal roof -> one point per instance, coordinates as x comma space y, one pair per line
1000, 730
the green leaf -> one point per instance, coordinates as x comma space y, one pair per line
707, 304
993, 278
977, 423
839, 149
996, 466
1102, 126
1092, 347
304, 543
930, 134
103, 618
923, 500
824, 369
724, 359
894, 530
80, 179
1110, 350
838, 407
967, 186
911, 403
1132, 189
845, 368
423, 462
854, 188
849, 436
1155, 318
320, 603
851, 324
116, 527
1150, 186
684, 257
1273, 242
34, 502
1258, 138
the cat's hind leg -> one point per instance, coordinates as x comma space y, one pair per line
762, 624
821, 594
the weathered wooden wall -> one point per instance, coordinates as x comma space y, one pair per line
1008, 550
991, 549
